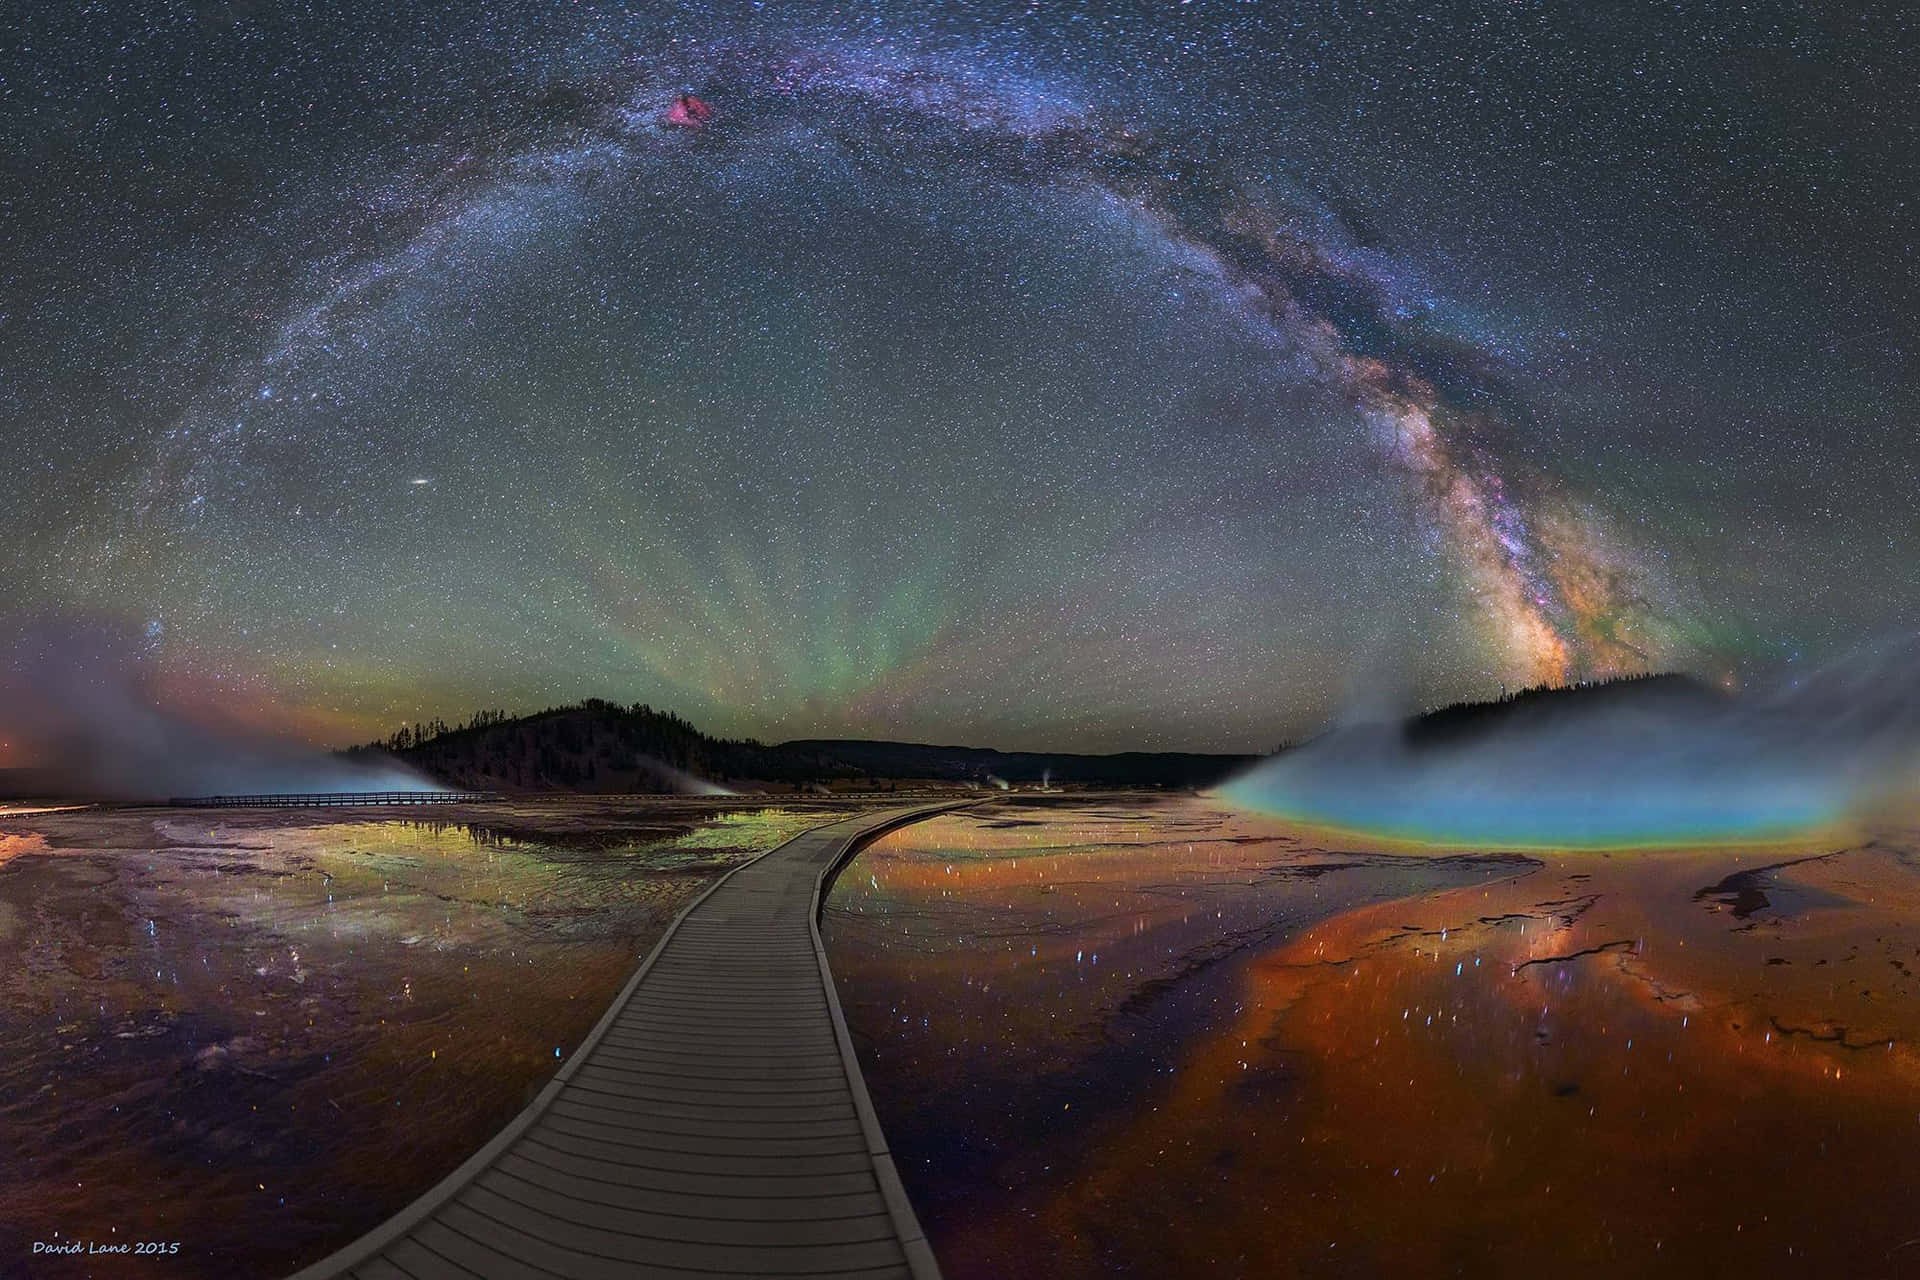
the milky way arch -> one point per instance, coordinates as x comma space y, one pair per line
1556, 594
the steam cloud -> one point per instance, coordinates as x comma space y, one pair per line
1664, 762
80, 705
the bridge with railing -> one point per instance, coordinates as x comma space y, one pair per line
331, 799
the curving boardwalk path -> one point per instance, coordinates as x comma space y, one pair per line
713, 1123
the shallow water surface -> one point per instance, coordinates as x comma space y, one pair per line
259, 1033
1175, 1040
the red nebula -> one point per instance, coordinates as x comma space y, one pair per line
689, 111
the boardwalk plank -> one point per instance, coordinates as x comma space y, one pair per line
424, 1264
534, 1257
722, 1124
643, 1222
683, 1028
381, 1269
764, 1165
621, 1249
753, 1108
764, 1012
470, 1255
724, 1066
853, 1180
700, 1090
745, 1144
736, 1199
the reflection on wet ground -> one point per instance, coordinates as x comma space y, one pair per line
1297, 1058
258, 1033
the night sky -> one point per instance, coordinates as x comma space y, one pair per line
1061, 376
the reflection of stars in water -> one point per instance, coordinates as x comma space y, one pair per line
1539, 1047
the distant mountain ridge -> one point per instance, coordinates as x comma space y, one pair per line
922, 760
603, 747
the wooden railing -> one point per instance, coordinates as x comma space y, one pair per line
331, 799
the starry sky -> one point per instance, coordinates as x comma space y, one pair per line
1070, 376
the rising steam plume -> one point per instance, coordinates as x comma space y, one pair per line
81, 707
1666, 761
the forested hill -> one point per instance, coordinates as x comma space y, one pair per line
1546, 704
595, 746
598, 746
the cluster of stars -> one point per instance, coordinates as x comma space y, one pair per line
1082, 380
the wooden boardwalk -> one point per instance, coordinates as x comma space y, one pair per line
330, 799
713, 1123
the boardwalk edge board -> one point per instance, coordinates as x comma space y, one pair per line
913, 1240
370, 1248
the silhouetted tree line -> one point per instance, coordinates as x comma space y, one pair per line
597, 745
1461, 718
1547, 692
421, 732
593, 745
1470, 715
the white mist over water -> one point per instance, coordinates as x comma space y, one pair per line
1660, 763
83, 707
